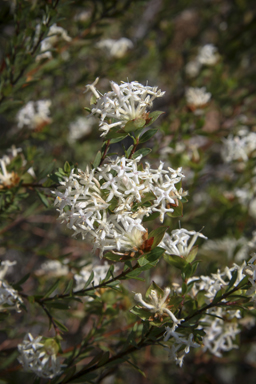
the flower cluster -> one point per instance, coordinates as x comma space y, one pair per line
8, 179
181, 345
99, 274
240, 147
106, 204
55, 34
197, 97
250, 270
39, 356
35, 114
219, 323
53, 268
180, 242
158, 306
220, 327
82, 126
9, 297
207, 55
115, 48
126, 102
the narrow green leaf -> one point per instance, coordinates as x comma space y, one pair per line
147, 135
61, 326
176, 261
88, 282
152, 117
67, 167
52, 289
158, 235
43, 198
97, 160
142, 151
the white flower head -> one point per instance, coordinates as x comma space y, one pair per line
55, 34
208, 55
197, 97
89, 196
240, 147
40, 356
9, 179
53, 268
80, 127
158, 305
181, 241
34, 114
9, 297
192, 68
126, 102
115, 48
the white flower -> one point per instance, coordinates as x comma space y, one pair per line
89, 196
220, 334
192, 68
80, 127
4, 266
99, 274
34, 114
158, 305
126, 102
240, 147
53, 268
197, 97
39, 356
55, 34
9, 297
180, 242
208, 55
115, 48
8, 179
177, 349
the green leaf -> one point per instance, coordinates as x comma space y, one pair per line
111, 256
158, 235
97, 160
88, 109
88, 282
52, 289
118, 138
192, 254
67, 167
243, 282
43, 198
85, 378
21, 281
134, 125
103, 359
177, 210
61, 326
69, 287
177, 261
147, 135
109, 273
152, 117
151, 217
142, 313
155, 287
57, 304
232, 281
142, 151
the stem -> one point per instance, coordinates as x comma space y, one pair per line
101, 285
104, 153
144, 340
134, 147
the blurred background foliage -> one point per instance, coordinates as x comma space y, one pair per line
166, 36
